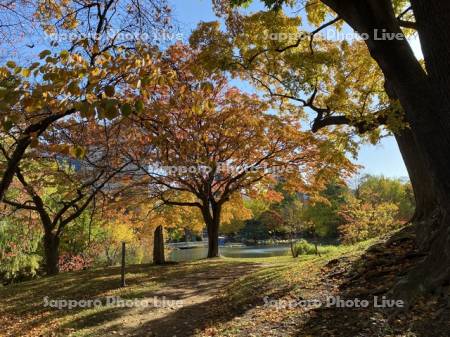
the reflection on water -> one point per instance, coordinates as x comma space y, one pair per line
197, 253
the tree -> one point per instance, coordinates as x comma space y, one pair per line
20, 237
61, 178
253, 229
423, 94
116, 231
234, 214
190, 153
96, 77
364, 220
342, 83
376, 206
150, 217
162, 216
322, 215
81, 78
379, 189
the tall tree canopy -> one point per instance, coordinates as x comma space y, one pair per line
423, 93
202, 136
80, 75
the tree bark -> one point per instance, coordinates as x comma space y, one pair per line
22, 145
211, 216
433, 25
213, 240
425, 97
421, 182
158, 246
51, 252
427, 110
12, 163
424, 194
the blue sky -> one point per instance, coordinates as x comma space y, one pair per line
381, 159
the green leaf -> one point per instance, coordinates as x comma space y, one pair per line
64, 54
3, 92
126, 109
8, 125
11, 64
139, 106
44, 54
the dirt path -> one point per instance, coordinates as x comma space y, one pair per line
225, 298
199, 293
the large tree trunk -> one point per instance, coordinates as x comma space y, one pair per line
427, 109
51, 252
213, 240
425, 97
418, 174
211, 216
422, 184
424, 194
158, 246
433, 25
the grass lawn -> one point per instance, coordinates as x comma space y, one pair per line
220, 297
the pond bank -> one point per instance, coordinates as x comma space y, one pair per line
200, 252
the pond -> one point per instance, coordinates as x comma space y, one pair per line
197, 253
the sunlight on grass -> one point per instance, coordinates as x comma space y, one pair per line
274, 276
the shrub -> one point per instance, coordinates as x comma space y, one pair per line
18, 267
70, 262
363, 221
19, 246
303, 247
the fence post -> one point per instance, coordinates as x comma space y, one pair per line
122, 283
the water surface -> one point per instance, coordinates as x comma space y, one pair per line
197, 253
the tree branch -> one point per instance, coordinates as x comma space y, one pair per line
22, 145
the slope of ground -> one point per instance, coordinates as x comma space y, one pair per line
232, 297
360, 272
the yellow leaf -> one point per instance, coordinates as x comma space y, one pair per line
26, 72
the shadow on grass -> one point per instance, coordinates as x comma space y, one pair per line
22, 305
234, 300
